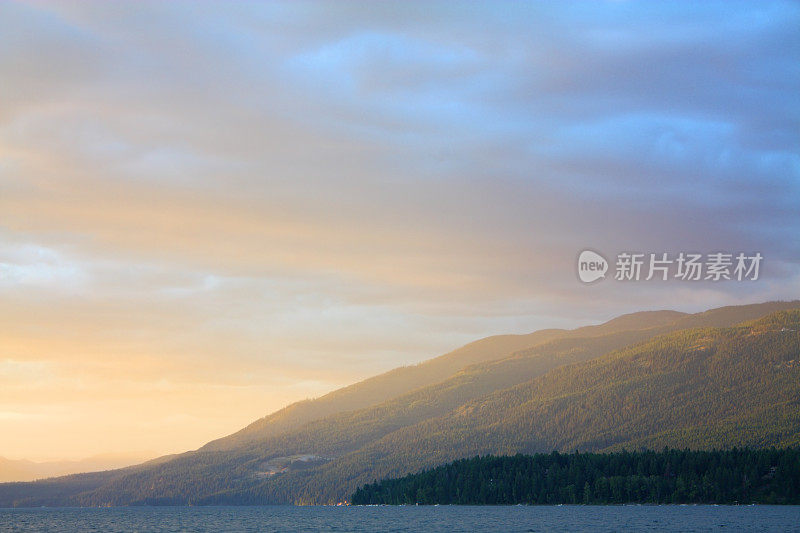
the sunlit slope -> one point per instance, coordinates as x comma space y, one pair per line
380, 388
399, 381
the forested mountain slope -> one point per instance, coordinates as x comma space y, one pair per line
701, 388
405, 379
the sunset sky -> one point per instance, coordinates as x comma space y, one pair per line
209, 210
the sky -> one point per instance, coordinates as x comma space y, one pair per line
210, 210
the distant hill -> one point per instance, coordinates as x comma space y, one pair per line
24, 470
644, 380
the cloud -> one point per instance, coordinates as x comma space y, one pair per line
260, 195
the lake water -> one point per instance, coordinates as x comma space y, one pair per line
428, 519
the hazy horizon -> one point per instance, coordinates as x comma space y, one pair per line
211, 210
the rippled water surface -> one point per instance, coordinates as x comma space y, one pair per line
429, 519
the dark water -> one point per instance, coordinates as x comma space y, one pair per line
428, 519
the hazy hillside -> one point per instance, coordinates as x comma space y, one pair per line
639, 380
24, 470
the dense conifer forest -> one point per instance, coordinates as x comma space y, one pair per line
743, 476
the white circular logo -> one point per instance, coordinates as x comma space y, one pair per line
591, 266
